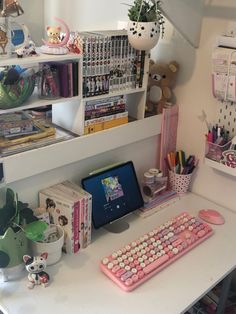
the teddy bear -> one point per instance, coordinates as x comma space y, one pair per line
53, 33
161, 81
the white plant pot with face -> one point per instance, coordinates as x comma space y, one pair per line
143, 35
54, 249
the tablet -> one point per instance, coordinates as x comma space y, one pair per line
115, 193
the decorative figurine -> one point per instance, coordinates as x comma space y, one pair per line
12, 8
28, 47
36, 266
57, 40
75, 43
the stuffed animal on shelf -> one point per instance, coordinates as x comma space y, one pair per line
161, 81
54, 33
36, 266
57, 39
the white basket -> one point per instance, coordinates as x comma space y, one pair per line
54, 249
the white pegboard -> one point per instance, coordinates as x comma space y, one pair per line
226, 116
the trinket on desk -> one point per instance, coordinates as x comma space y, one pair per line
36, 266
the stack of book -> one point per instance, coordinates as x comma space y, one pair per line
71, 207
59, 79
20, 131
104, 114
110, 63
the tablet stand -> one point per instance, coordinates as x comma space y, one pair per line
117, 226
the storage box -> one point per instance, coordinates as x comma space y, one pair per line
214, 151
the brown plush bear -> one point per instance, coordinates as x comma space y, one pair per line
162, 78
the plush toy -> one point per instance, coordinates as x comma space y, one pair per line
162, 79
57, 39
54, 33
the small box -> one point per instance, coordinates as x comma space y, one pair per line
15, 123
214, 151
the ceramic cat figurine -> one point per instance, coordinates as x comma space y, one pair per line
36, 266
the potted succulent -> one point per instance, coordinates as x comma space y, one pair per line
146, 24
17, 225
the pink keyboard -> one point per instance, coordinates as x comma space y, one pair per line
139, 260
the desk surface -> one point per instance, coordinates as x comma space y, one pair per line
78, 286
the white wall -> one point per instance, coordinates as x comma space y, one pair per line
193, 93
33, 18
87, 15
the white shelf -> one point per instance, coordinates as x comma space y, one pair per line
218, 166
34, 101
116, 93
36, 161
39, 59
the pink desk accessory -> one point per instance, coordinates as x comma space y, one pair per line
139, 260
211, 216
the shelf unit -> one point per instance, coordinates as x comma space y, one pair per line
221, 167
69, 113
36, 161
226, 116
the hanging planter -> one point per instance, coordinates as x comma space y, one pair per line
145, 25
143, 35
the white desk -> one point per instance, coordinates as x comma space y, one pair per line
78, 286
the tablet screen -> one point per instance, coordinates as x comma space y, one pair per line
115, 193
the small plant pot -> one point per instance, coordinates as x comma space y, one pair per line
54, 249
143, 35
13, 245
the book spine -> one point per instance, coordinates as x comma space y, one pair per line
89, 219
138, 68
105, 118
70, 80
85, 221
76, 226
63, 78
75, 78
105, 125
81, 224
87, 195
142, 69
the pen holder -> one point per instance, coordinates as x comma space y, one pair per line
179, 182
214, 151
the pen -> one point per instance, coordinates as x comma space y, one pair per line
210, 137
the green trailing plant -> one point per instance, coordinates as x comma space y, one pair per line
147, 11
17, 215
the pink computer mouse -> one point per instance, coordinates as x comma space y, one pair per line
212, 216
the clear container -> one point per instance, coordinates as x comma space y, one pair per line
214, 151
151, 190
48, 86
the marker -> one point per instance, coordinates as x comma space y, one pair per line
210, 137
